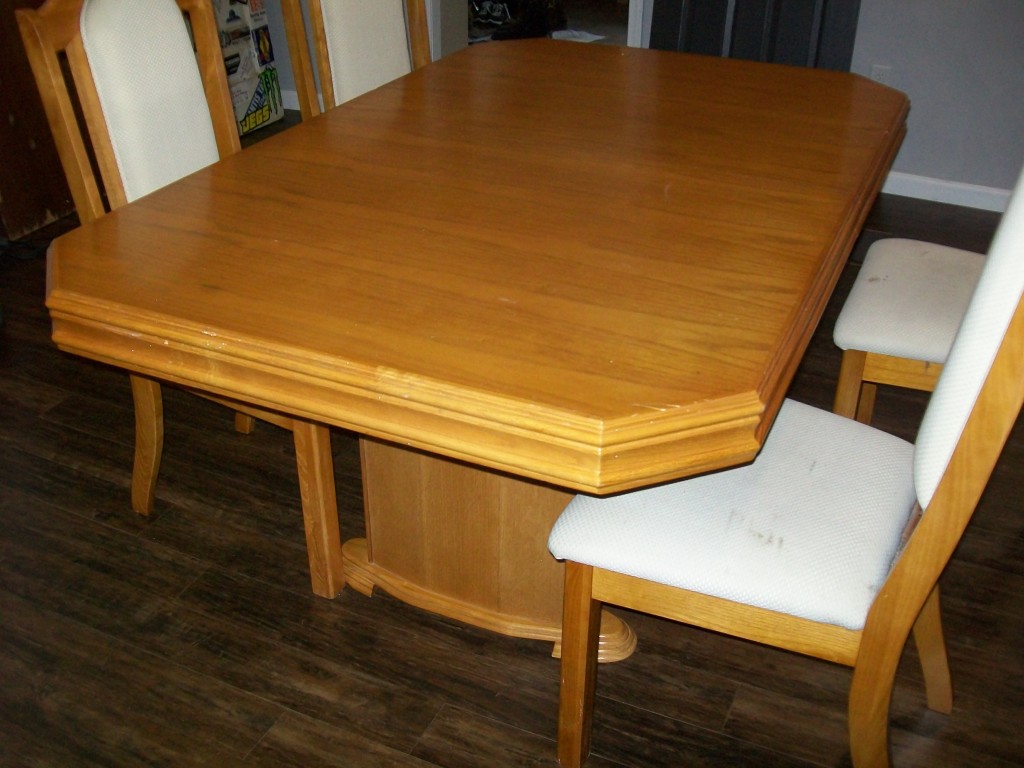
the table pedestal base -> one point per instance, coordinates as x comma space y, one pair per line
466, 543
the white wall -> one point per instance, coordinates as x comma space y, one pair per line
962, 65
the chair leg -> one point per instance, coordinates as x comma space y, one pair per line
244, 423
870, 696
319, 506
149, 442
848, 386
866, 406
581, 625
931, 649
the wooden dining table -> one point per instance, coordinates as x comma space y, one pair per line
530, 269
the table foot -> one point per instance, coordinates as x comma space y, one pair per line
617, 638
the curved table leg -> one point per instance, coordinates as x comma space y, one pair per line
149, 441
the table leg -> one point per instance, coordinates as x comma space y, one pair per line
467, 543
149, 441
319, 506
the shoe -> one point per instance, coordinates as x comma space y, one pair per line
499, 13
489, 12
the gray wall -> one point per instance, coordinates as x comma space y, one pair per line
962, 65
961, 62
284, 65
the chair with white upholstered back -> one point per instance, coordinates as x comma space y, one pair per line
155, 109
830, 543
899, 319
358, 45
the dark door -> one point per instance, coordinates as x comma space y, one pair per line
810, 33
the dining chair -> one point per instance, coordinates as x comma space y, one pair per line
898, 321
358, 45
154, 109
830, 543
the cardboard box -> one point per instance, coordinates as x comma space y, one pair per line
249, 60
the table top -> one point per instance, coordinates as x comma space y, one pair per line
590, 265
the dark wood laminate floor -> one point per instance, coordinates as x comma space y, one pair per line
191, 638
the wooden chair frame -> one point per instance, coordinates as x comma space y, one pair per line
861, 372
909, 599
52, 31
299, 50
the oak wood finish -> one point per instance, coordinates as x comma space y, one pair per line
693, 258
636, 317
507, 518
129, 640
466, 543
861, 372
299, 55
149, 442
303, 63
53, 31
908, 600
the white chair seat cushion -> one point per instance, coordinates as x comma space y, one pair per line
810, 528
908, 299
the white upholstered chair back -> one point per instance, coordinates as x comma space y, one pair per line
974, 348
150, 91
367, 42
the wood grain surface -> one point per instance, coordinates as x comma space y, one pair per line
588, 265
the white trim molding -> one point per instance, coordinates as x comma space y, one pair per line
290, 99
954, 192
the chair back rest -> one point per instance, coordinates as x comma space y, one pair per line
358, 45
154, 110
974, 349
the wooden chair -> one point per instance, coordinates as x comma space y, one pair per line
359, 45
899, 319
830, 543
152, 111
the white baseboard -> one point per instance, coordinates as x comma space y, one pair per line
956, 193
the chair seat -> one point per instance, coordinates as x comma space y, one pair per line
908, 300
810, 528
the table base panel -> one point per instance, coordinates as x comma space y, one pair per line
617, 641
464, 542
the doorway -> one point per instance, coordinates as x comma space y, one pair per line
617, 22
608, 20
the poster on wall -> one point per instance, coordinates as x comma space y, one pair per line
249, 60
